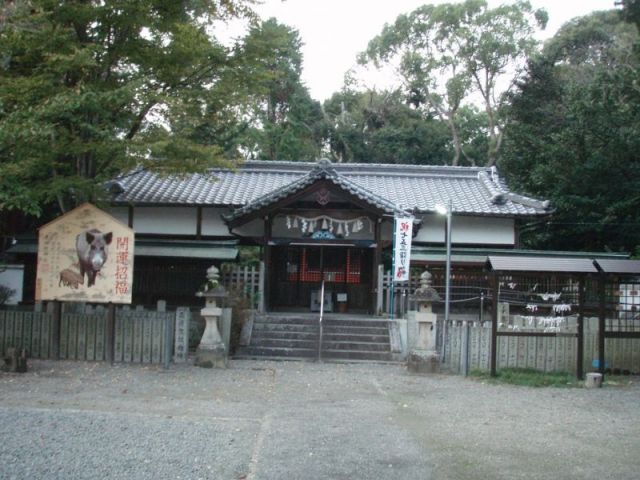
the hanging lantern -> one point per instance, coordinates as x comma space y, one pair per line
346, 229
295, 222
340, 231
325, 224
288, 222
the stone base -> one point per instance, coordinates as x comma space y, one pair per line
593, 380
215, 357
423, 361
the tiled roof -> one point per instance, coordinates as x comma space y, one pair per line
322, 171
472, 190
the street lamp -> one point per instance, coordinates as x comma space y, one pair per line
442, 210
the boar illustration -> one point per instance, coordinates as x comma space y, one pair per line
69, 278
92, 246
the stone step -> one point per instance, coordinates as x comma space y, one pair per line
285, 343
372, 323
356, 355
349, 330
284, 327
255, 351
284, 334
358, 337
351, 345
301, 320
296, 336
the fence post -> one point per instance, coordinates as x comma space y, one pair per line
494, 323
56, 309
464, 347
111, 331
168, 323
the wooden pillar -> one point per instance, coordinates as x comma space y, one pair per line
267, 262
494, 323
377, 258
601, 322
580, 349
199, 223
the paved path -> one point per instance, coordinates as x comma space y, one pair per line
293, 420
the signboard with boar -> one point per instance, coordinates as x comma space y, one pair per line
85, 255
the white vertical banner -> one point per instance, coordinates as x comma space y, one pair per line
403, 227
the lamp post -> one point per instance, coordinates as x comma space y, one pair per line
447, 300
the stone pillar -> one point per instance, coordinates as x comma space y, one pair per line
423, 357
211, 351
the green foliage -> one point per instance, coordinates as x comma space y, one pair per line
448, 52
528, 377
380, 127
575, 136
286, 124
91, 89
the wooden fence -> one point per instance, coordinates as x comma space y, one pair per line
547, 354
140, 336
248, 281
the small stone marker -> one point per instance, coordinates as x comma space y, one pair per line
593, 380
181, 347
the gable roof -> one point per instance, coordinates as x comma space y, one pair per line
322, 171
472, 190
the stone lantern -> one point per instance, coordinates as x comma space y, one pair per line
211, 351
423, 328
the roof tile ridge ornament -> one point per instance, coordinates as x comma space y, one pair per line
492, 185
500, 195
324, 166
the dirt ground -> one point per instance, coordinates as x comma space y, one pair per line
295, 420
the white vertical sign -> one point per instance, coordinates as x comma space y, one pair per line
402, 248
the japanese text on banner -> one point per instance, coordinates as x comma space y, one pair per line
402, 248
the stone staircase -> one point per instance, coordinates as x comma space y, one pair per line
345, 337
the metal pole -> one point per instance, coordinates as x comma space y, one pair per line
392, 301
320, 321
447, 293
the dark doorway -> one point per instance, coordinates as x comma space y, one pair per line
297, 273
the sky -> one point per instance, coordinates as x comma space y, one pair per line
335, 31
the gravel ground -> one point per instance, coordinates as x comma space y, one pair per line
294, 420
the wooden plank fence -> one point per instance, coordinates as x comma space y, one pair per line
139, 334
547, 354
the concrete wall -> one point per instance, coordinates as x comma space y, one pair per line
468, 230
212, 223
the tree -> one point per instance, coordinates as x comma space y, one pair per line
446, 53
285, 123
379, 127
575, 135
91, 89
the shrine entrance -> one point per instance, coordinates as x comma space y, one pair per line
297, 272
